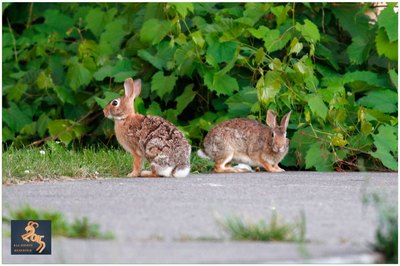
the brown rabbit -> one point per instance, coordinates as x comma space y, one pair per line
150, 137
243, 140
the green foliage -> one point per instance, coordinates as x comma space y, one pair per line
202, 63
80, 228
387, 233
274, 230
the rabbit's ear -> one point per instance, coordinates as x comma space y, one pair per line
129, 88
137, 87
271, 119
285, 120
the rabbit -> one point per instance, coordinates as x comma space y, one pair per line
148, 137
244, 140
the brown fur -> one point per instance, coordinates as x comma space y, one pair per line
148, 137
243, 140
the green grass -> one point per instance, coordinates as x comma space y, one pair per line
55, 161
80, 228
387, 233
274, 230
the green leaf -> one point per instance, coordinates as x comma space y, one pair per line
356, 23
183, 8
154, 109
309, 31
328, 54
108, 96
272, 38
42, 123
280, 13
55, 20
44, 81
113, 34
220, 51
15, 118
385, 47
198, 38
386, 146
338, 140
163, 56
163, 85
15, 93
7, 134
358, 50
318, 157
95, 21
154, 30
317, 106
388, 20
103, 72
268, 87
156, 61
120, 71
221, 83
59, 127
369, 77
253, 12
183, 100
295, 46
78, 76
240, 104
382, 100
65, 94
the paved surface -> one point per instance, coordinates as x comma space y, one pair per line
159, 220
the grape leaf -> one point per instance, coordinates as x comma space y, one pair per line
163, 85
317, 106
318, 157
78, 76
385, 47
381, 100
309, 31
154, 30
183, 100
388, 19
113, 34
386, 146
95, 21
183, 8
240, 104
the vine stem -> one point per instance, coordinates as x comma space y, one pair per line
14, 45
38, 142
326, 141
29, 22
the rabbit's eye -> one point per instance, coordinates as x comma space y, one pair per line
114, 103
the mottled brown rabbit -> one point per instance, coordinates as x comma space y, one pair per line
149, 137
243, 140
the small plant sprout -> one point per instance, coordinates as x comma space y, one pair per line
274, 230
80, 228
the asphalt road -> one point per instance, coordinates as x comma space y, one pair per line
174, 220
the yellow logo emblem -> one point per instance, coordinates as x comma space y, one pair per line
32, 236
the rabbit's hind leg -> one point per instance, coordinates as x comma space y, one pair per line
221, 165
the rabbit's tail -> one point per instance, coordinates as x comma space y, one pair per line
202, 155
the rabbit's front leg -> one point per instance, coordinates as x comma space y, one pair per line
270, 168
137, 165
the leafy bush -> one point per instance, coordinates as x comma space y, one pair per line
202, 63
